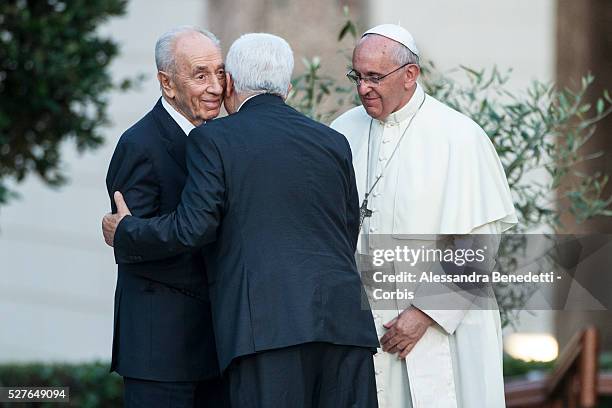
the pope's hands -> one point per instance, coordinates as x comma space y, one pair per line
111, 221
405, 331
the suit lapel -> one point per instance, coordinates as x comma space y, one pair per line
172, 135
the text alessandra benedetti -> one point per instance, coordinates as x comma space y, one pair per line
473, 277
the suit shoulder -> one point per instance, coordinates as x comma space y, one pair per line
334, 134
329, 133
213, 129
140, 132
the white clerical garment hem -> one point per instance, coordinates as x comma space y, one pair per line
445, 178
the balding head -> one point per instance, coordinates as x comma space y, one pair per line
165, 46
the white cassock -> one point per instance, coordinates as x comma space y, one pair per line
445, 178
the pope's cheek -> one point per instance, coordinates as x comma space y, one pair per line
374, 112
372, 106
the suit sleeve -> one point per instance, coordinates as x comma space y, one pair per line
132, 173
352, 210
193, 224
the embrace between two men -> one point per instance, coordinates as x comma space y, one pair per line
236, 237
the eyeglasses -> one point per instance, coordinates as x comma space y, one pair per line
371, 80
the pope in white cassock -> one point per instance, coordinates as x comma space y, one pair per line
426, 169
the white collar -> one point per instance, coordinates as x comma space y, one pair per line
182, 121
250, 97
409, 109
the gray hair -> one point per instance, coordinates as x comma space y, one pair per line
260, 62
401, 54
164, 47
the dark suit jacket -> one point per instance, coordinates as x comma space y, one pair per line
163, 324
275, 192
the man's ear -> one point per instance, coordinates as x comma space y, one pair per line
412, 74
229, 85
166, 84
289, 88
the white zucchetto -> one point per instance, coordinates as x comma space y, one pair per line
396, 33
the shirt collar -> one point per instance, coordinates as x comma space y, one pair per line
182, 121
250, 97
408, 110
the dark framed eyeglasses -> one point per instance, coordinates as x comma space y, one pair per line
371, 80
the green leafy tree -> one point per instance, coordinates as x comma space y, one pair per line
54, 84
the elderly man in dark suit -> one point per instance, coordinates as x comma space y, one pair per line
163, 343
273, 194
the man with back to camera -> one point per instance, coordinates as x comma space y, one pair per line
424, 168
163, 342
273, 193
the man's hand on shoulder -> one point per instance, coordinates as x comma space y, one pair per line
111, 221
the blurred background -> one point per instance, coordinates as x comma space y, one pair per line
57, 277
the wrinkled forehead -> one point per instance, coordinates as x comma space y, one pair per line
196, 47
375, 49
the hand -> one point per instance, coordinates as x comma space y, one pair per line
405, 331
110, 221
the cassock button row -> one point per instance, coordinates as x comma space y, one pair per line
386, 141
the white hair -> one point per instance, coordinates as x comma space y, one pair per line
165, 58
260, 62
401, 54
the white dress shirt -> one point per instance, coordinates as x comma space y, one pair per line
181, 120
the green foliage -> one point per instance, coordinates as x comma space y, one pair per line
90, 384
514, 367
349, 26
311, 88
538, 135
54, 83
517, 368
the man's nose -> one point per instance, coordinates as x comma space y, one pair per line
363, 88
216, 86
